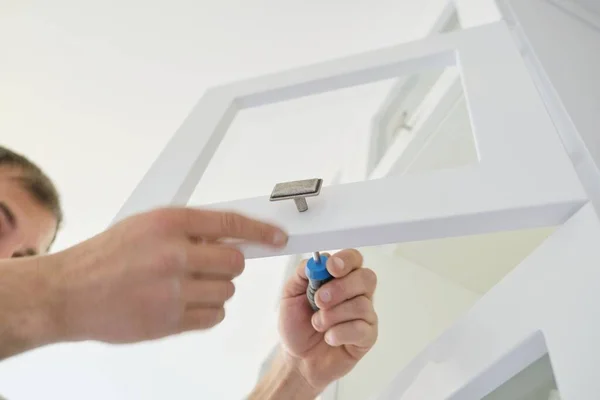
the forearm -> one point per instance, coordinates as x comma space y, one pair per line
283, 382
28, 304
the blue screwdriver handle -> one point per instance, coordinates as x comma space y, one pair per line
317, 274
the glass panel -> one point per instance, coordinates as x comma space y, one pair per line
535, 382
410, 124
297, 139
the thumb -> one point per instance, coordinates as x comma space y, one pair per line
297, 284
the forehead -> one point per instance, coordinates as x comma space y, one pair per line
34, 222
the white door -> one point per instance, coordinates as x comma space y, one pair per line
524, 178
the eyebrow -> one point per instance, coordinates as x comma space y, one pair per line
12, 221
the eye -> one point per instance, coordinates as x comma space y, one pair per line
7, 220
3, 224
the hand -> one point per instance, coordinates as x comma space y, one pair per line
326, 345
154, 274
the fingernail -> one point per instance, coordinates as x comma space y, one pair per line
220, 315
237, 258
325, 296
317, 323
338, 263
329, 338
279, 238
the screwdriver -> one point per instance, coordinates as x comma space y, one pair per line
317, 274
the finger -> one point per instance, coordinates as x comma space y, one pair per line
344, 262
359, 308
204, 293
356, 333
362, 281
219, 224
203, 240
201, 318
214, 260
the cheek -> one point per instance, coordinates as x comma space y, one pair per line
45, 236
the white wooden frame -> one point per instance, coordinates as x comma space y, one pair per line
586, 11
524, 178
548, 304
403, 150
553, 298
394, 105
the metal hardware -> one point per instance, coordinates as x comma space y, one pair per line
317, 274
317, 257
297, 191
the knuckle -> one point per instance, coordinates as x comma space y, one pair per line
369, 277
361, 306
361, 327
231, 222
209, 318
265, 233
229, 289
201, 258
169, 261
327, 318
372, 336
375, 318
357, 256
162, 219
237, 262
188, 218
337, 288
238, 271
233, 262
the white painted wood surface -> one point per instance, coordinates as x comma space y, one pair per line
510, 189
552, 293
477, 12
404, 149
548, 304
508, 130
565, 75
524, 179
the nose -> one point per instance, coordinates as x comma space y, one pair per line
9, 247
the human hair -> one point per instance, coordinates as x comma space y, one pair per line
35, 182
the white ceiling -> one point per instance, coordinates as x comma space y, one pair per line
93, 90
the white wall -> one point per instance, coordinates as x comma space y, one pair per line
93, 90
414, 306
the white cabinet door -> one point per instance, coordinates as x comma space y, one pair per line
524, 179
534, 335
547, 306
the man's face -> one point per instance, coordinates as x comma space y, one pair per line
26, 227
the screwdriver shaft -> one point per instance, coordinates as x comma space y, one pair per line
317, 257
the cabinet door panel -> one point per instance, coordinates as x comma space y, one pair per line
545, 306
523, 179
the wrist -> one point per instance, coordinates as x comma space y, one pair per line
30, 300
284, 381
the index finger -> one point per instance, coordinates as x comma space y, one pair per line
225, 224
